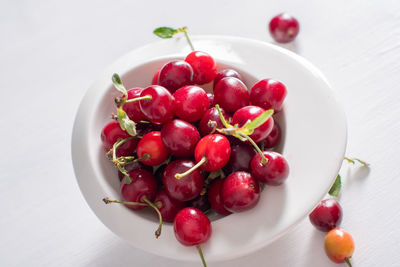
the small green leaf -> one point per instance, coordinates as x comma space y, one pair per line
337, 185
128, 179
119, 86
125, 123
165, 32
259, 120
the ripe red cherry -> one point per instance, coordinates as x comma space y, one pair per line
226, 73
111, 133
168, 206
274, 137
274, 172
160, 108
212, 115
241, 155
268, 94
214, 197
191, 102
143, 186
215, 149
192, 227
200, 202
175, 74
204, 67
152, 145
145, 128
284, 28
187, 187
250, 113
134, 166
154, 81
240, 191
339, 246
132, 109
210, 100
180, 137
231, 93
327, 215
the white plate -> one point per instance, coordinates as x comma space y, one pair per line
315, 137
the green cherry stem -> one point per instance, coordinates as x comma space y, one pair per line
224, 122
146, 97
184, 30
347, 260
201, 255
198, 164
248, 138
353, 161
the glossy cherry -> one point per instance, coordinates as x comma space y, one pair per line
268, 94
274, 172
152, 146
111, 133
231, 93
200, 202
203, 65
284, 28
132, 109
167, 206
214, 197
226, 73
160, 108
244, 114
175, 74
212, 115
154, 81
240, 191
327, 215
180, 137
274, 137
134, 166
187, 187
241, 156
210, 100
191, 102
339, 246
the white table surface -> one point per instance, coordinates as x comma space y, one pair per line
51, 51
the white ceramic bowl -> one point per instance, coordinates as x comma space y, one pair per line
314, 128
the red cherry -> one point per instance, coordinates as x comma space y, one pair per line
274, 172
244, 114
212, 115
327, 215
160, 108
231, 93
111, 133
274, 137
215, 148
204, 67
192, 227
210, 100
268, 94
284, 28
175, 74
152, 145
132, 109
180, 137
191, 102
134, 166
154, 81
226, 73
241, 156
214, 197
187, 187
168, 206
240, 191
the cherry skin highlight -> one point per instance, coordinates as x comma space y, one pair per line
284, 28
160, 108
327, 215
274, 172
175, 74
191, 102
111, 133
167, 206
152, 145
214, 197
268, 94
231, 94
203, 65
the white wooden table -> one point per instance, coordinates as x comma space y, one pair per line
51, 51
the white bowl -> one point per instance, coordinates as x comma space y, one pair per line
315, 135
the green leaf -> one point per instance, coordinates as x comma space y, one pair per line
165, 32
337, 185
259, 120
119, 86
128, 179
126, 123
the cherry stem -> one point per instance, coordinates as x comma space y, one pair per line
146, 97
198, 164
347, 260
184, 30
201, 255
224, 122
353, 161
212, 124
108, 201
264, 160
148, 202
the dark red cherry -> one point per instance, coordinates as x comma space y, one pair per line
111, 133
241, 155
200, 202
145, 128
214, 150
284, 28
203, 65
250, 113
192, 227
191, 102
134, 166
152, 145
180, 137
274, 137
175, 74
327, 215
231, 93
168, 206
268, 94
274, 172
143, 185
159, 175
240, 191
226, 73
210, 100
132, 109
154, 81
212, 115
214, 197
160, 108
187, 187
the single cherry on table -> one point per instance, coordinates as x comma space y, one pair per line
327, 215
284, 28
339, 246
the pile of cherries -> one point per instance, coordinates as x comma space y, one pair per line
185, 152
